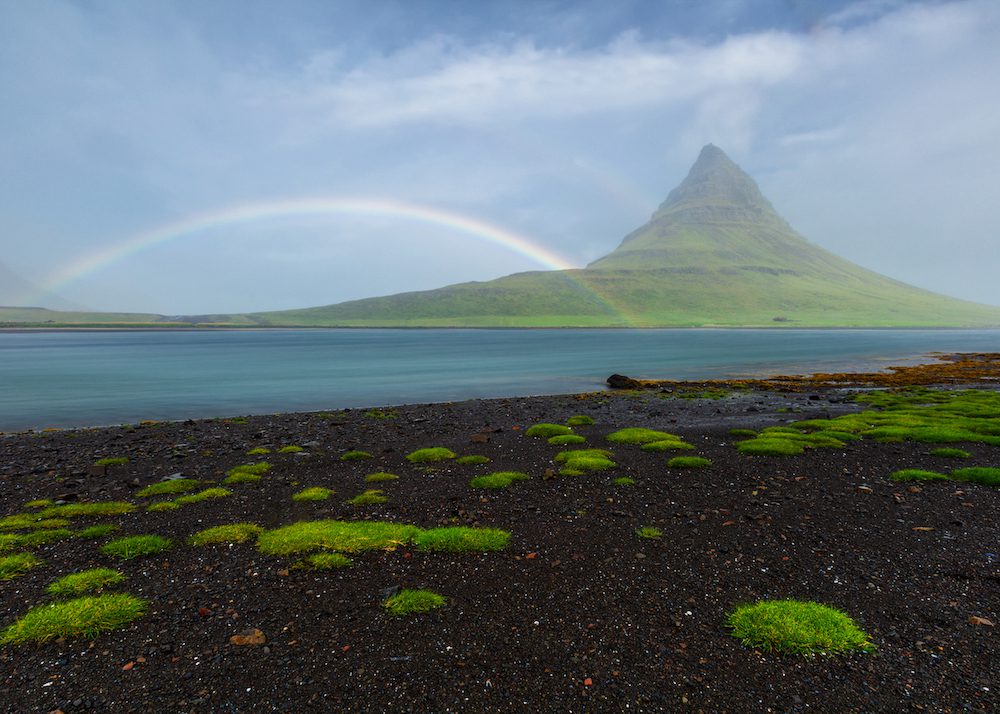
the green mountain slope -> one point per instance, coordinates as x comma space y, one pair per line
714, 253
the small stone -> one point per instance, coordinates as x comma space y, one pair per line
914, 489
976, 620
248, 637
923, 528
865, 489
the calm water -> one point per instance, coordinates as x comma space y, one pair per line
59, 379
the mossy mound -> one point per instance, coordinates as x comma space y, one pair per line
797, 627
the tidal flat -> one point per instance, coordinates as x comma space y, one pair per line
548, 586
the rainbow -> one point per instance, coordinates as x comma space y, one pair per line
304, 208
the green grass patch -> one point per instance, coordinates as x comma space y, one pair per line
579, 420
86, 616
688, 462
208, 493
290, 449
18, 521
313, 493
258, 451
640, 435
87, 510
241, 477
797, 627
258, 469
52, 523
918, 475
460, 539
355, 456
567, 439
98, 531
345, 536
112, 461
413, 602
472, 460
380, 476
573, 454
382, 414
582, 461
324, 561
500, 479
624, 481
769, 447
17, 564
162, 507
431, 454
546, 431
229, 533
39, 503
371, 497
86, 581
951, 453
742, 432
985, 475
667, 445
130, 547
180, 485
648, 532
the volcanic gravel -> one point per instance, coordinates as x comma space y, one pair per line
578, 614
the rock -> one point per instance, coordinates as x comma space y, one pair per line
620, 381
173, 477
976, 620
248, 637
479, 439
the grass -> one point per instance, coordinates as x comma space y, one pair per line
74, 510
345, 536
951, 453
241, 477
567, 439
640, 435
324, 561
742, 432
52, 523
797, 627
500, 479
667, 445
313, 493
434, 453
918, 475
258, 469
208, 493
624, 481
86, 581
355, 456
577, 462
769, 447
413, 602
545, 430
39, 503
162, 507
18, 564
18, 521
460, 539
258, 451
98, 531
688, 462
380, 476
85, 616
370, 497
290, 449
130, 547
112, 461
648, 532
579, 420
382, 414
472, 460
229, 533
985, 475
180, 485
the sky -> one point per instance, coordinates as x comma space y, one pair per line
239, 155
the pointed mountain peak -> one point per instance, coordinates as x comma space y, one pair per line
716, 180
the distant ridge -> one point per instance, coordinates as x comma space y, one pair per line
714, 253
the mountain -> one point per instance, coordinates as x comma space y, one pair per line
714, 253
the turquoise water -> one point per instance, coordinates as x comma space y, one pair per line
61, 379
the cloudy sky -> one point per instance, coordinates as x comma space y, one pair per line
191, 157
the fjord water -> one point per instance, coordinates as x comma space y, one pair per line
84, 378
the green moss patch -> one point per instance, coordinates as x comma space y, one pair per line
313, 493
345, 536
81, 617
258, 451
17, 564
546, 431
18, 521
985, 475
472, 460
640, 435
97, 531
324, 561
180, 485
688, 462
667, 445
258, 469
579, 420
577, 462
460, 539
430, 455
796, 627
162, 507
769, 447
624, 481
130, 547
241, 477
229, 533
111, 461
918, 475
355, 456
380, 476
290, 449
371, 497
648, 532
567, 439
500, 479
413, 602
86, 581
16, 541
951, 453
93, 510
207, 494
39, 503
743, 433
